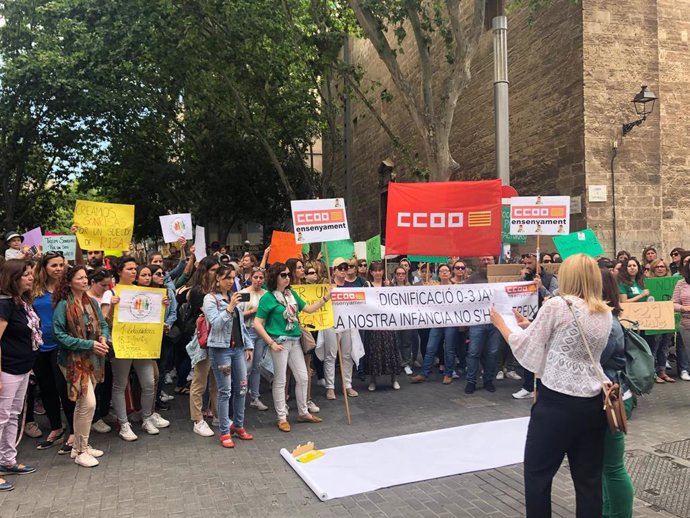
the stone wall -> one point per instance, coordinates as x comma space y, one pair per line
573, 72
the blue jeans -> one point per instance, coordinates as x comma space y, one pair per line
230, 369
438, 335
255, 374
484, 344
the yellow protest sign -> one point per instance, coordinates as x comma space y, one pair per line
649, 315
321, 319
138, 322
104, 226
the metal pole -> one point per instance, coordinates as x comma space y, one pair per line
347, 57
500, 30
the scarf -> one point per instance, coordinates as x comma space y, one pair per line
287, 299
82, 365
34, 323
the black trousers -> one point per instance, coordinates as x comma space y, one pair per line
53, 390
563, 425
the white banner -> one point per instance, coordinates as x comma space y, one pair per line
419, 307
540, 215
316, 221
200, 243
175, 226
140, 305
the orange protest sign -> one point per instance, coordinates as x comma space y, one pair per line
283, 247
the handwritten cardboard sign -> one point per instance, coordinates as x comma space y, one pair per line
649, 315
65, 244
104, 226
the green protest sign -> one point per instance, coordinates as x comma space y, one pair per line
427, 259
506, 236
306, 248
374, 248
661, 290
344, 248
580, 242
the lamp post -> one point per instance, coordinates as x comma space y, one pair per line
644, 106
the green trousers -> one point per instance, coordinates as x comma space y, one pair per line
618, 491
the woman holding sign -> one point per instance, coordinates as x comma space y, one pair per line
126, 275
568, 418
249, 308
277, 322
82, 334
631, 287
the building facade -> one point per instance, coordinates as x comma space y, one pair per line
573, 72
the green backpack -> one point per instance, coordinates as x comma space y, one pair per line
639, 372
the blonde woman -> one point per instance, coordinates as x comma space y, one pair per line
567, 418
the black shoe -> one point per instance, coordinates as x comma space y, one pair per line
470, 388
489, 386
162, 405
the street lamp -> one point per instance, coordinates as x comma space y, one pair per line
644, 106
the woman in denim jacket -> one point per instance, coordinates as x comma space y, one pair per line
230, 347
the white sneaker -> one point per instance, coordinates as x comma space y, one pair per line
190, 376
455, 376
668, 365
169, 379
522, 394
101, 427
166, 397
86, 460
158, 421
512, 375
202, 428
149, 427
685, 376
126, 432
256, 403
408, 370
321, 382
215, 422
372, 387
313, 409
500, 375
396, 385
91, 451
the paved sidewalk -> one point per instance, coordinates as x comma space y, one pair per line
179, 473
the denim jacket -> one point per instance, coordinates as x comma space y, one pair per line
220, 322
613, 357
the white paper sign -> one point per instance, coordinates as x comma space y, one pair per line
540, 215
420, 307
140, 307
200, 243
361, 250
175, 226
65, 244
317, 221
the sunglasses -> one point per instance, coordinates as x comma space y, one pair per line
285, 275
159, 274
674, 254
459, 267
342, 267
258, 269
52, 255
646, 269
311, 272
362, 265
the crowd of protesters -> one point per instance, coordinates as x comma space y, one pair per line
57, 354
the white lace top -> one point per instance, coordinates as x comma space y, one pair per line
552, 348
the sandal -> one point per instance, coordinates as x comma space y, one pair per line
308, 419
667, 378
50, 442
181, 390
66, 449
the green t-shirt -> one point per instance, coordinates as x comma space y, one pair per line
271, 312
631, 291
